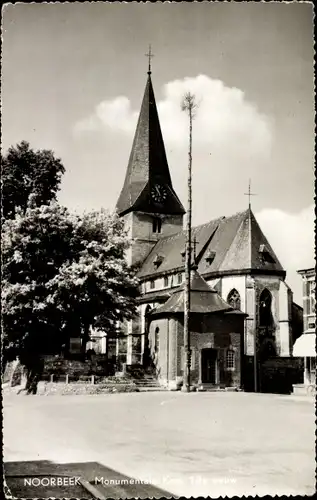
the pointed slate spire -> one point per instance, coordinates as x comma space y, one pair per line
250, 249
148, 165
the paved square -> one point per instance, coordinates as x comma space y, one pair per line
188, 444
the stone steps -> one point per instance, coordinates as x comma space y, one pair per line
146, 382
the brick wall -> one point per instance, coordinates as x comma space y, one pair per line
217, 332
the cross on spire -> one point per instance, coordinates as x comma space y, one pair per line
149, 55
249, 194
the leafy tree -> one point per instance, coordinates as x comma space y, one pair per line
25, 173
62, 275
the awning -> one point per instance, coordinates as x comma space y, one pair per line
305, 346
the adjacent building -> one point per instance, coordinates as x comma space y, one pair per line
305, 345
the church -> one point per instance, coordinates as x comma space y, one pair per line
241, 307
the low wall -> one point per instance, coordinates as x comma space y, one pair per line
51, 389
58, 366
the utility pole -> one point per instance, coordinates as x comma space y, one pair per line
255, 361
188, 105
255, 333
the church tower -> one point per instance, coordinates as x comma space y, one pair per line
148, 202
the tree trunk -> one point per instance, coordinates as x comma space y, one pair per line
34, 368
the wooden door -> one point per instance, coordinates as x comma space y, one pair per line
209, 366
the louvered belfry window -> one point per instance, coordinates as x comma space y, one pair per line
156, 225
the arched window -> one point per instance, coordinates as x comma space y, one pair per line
233, 299
266, 317
146, 317
156, 339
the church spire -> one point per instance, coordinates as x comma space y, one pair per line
148, 185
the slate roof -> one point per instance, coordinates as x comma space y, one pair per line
170, 248
148, 164
235, 242
155, 296
203, 299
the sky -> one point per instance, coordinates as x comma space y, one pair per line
73, 78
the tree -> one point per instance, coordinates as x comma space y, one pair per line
25, 173
62, 274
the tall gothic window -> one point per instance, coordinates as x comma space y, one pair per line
233, 299
156, 339
266, 317
146, 317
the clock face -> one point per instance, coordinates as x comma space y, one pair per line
159, 193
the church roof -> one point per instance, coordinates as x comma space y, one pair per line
203, 299
148, 164
224, 245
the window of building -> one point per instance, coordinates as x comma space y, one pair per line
166, 281
146, 318
158, 260
210, 257
313, 365
265, 255
233, 299
230, 359
156, 339
266, 317
179, 278
152, 284
312, 297
156, 225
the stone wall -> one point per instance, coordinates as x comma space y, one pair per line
140, 233
57, 365
215, 331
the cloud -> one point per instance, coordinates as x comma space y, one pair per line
116, 115
292, 238
225, 123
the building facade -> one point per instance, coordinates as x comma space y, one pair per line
216, 339
305, 345
231, 253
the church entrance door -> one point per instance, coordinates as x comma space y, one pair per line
209, 366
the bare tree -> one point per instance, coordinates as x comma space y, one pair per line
189, 105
